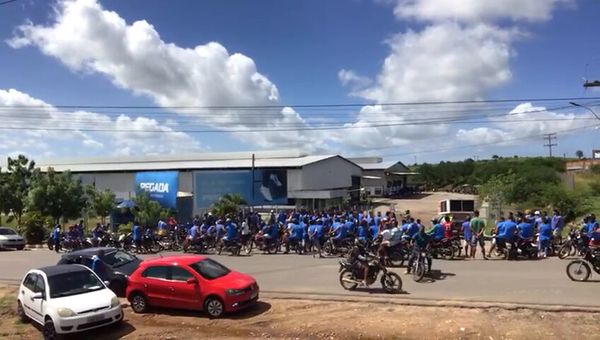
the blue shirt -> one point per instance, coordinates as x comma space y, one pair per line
350, 226
438, 232
467, 230
413, 229
56, 234
558, 222
545, 232
232, 233
194, 231
137, 233
312, 230
362, 232
591, 227
297, 231
320, 230
274, 231
525, 230
374, 229
508, 230
340, 231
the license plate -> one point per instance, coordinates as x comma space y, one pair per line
95, 318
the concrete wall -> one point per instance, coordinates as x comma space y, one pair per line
328, 174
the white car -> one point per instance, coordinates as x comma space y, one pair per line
67, 299
10, 239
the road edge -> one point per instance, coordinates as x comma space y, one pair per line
420, 302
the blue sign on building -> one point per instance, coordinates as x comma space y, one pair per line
270, 186
161, 186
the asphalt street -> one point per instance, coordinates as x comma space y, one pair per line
524, 282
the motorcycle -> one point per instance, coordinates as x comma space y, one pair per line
575, 244
523, 247
342, 249
351, 276
233, 246
419, 266
446, 248
581, 269
268, 245
396, 255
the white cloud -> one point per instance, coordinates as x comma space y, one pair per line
353, 80
45, 131
529, 122
477, 10
88, 38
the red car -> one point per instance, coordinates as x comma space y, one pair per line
190, 282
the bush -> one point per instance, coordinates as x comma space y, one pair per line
595, 169
34, 229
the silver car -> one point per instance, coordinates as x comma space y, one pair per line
10, 239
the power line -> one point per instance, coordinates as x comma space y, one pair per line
242, 107
6, 2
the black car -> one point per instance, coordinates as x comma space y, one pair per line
117, 265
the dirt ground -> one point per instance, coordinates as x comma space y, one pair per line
305, 319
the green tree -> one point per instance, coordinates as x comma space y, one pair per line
579, 154
102, 203
57, 195
14, 187
148, 211
228, 204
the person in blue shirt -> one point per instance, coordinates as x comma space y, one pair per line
363, 231
544, 238
136, 232
219, 230
339, 233
558, 223
321, 232
412, 229
97, 233
296, 233
525, 230
232, 231
437, 231
350, 226
311, 232
98, 266
374, 229
509, 232
467, 234
498, 240
377, 219
56, 237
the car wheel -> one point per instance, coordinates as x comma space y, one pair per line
49, 331
214, 307
21, 313
139, 303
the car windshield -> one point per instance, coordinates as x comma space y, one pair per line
118, 258
73, 283
6, 231
210, 269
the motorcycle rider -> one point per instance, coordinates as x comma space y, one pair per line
232, 232
296, 232
498, 241
359, 257
412, 228
509, 233
421, 242
437, 231
97, 234
339, 233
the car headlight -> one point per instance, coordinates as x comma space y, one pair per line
114, 302
234, 292
65, 312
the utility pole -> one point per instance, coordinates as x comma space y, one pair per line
550, 137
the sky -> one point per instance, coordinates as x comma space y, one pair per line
409, 80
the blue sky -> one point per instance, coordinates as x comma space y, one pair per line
436, 50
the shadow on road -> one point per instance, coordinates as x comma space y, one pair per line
258, 309
377, 290
435, 275
109, 332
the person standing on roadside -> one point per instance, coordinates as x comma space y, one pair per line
477, 229
467, 234
56, 237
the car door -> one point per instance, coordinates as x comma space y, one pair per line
27, 294
184, 295
39, 304
157, 287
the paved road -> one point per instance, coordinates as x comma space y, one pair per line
535, 282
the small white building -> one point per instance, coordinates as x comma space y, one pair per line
381, 178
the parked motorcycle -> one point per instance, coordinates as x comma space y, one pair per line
581, 269
351, 276
575, 244
233, 246
342, 248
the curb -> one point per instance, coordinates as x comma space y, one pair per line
34, 246
422, 302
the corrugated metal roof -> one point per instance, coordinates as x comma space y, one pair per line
169, 164
377, 166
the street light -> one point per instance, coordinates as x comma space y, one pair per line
585, 107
